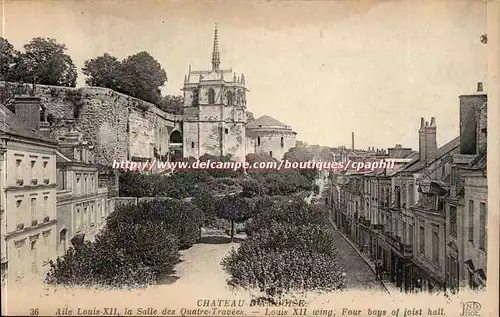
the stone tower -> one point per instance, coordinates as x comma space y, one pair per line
214, 111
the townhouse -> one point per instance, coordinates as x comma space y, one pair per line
426, 220
82, 205
467, 204
28, 190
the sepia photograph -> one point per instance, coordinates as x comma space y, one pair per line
249, 158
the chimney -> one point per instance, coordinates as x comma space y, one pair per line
27, 109
431, 140
352, 144
421, 140
469, 111
69, 145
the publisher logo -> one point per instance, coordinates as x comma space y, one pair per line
470, 308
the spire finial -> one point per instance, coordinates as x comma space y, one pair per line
215, 52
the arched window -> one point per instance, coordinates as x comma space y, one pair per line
192, 145
230, 98
175, 137
211, 96
271, 153
258, 140
282, 142
239, 97
195, 97
63, 240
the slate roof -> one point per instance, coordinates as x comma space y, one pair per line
13, 125
267, 122
417, 164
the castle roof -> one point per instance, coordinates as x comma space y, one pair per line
267, 122
13, 125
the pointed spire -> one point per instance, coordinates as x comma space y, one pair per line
215, 52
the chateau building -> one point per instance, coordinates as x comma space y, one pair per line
82, 206
28, 191
215, 117
268, 135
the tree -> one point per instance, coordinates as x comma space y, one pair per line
9, 61
149, 243
172, 104
206, 202
141, 76
285, 258
102, 71
297, 213
45, 61
259, 157
98, 264
235, 209
252, 188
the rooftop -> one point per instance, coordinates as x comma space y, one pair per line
267, 122
13, 125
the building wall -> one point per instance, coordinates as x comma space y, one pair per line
120, 126
30, 217
80, 208
476, 191
270, 141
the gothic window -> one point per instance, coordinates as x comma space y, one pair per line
239, 97
192, 145
271, 153
282, 142
211, 96
258, 140
230, 99
195, 97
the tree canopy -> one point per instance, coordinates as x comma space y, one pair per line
44, 60
139, 75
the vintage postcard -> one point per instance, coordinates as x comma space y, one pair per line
249, 158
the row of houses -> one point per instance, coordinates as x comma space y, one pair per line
50, 191
425, 221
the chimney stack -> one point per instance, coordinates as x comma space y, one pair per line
27, 108
469, 111
421, 139
431, 140
352, 145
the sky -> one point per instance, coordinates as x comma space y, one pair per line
326, 68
